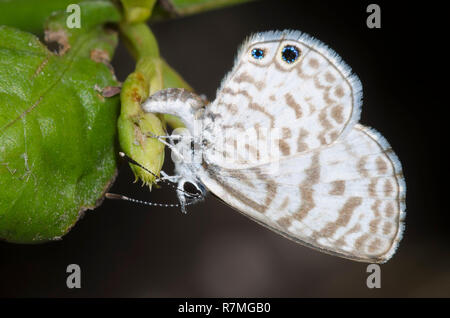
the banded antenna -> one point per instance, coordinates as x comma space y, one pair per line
115, 196
158, 179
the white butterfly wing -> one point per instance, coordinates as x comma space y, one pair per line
346, 199
333, 185
310, 102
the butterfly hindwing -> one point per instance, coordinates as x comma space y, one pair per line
347, 199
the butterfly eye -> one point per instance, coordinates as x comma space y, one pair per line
189, 187
258, 54
290, 54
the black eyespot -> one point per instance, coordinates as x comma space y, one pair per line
258, 54
290, 54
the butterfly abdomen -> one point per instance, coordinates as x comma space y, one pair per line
178, 102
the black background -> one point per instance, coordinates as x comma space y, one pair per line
127, 250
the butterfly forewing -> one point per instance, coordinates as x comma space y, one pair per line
302, 105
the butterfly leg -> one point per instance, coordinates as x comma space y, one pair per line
171, 137
170, 145
166, 177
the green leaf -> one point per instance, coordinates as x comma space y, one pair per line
185, 7
57, 130
29, 15
175, 8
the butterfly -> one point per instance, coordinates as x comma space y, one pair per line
324, 181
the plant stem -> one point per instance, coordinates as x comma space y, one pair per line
134, 124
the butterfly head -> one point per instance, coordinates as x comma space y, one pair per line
193, 189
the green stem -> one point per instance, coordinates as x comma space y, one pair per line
134, 124
137, 11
